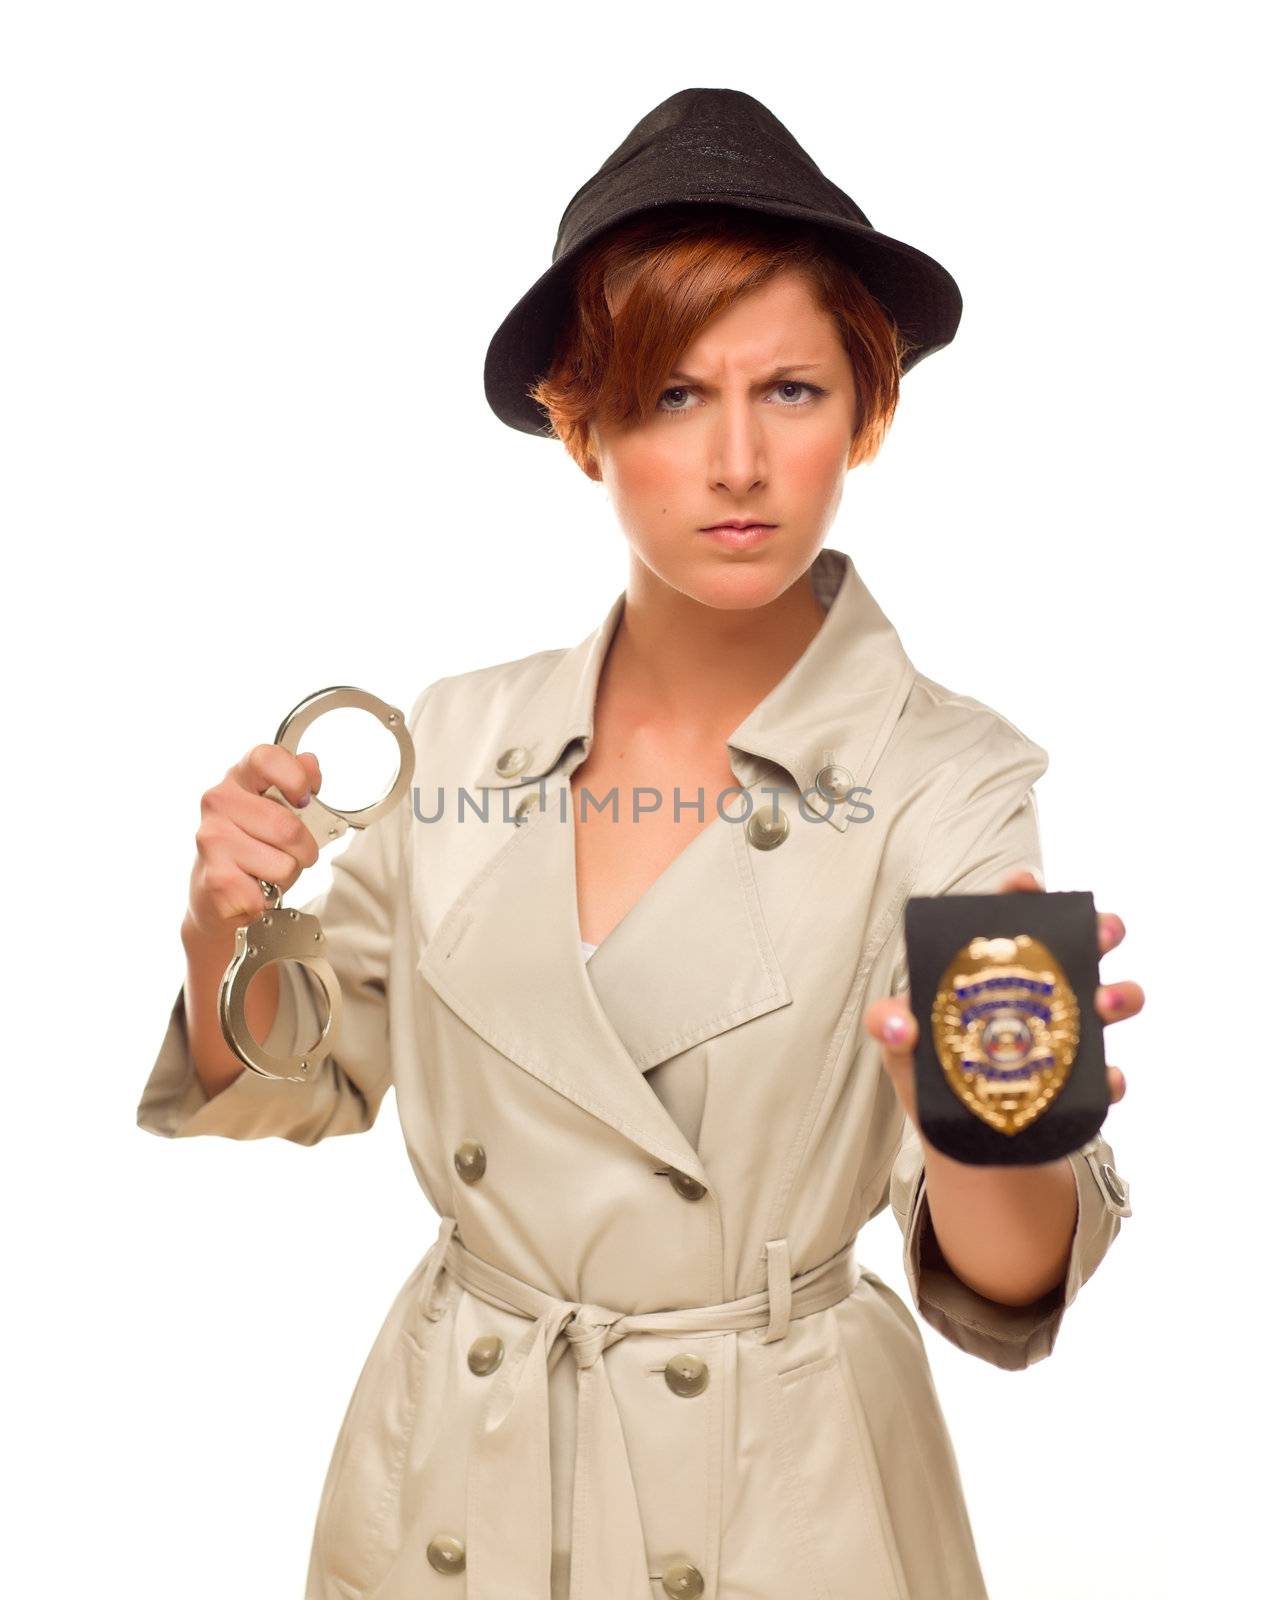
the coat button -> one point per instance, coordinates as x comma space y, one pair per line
469, 1159
685, 1186
513, 761
525, 807
686, 1375
834, 783
682, 1581
447, 1555
485, 1355
766, 831
1116, 1184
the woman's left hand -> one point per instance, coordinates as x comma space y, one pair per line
890, 1020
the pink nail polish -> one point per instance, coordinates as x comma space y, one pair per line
895, 1028
1115, 1000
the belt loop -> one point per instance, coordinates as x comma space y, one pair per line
778, 1255
435, 1261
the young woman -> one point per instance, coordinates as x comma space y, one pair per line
646, 1014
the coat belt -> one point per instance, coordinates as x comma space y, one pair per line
511, 1452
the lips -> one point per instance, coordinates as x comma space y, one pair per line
744, 536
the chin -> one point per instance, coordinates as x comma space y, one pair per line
728, 581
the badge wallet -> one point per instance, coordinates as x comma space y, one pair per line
1009, 1064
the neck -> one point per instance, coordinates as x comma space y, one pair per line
674, 660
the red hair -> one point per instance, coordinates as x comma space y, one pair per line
644, 289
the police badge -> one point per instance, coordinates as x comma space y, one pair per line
1009, 1064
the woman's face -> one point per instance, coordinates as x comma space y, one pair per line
755, 426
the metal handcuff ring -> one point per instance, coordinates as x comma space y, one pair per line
283, 933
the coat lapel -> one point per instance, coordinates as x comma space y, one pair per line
699, 937
507, 958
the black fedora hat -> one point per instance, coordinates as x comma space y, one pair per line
712, 147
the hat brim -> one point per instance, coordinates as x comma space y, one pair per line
918, 292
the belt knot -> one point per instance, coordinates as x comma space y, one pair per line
590, 1330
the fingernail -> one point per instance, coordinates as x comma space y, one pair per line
895, 1028
305, 801
1115, 1000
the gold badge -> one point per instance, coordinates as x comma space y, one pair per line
1006, 1028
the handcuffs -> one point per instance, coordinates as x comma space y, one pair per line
283, 933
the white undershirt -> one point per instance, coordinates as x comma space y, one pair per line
588, 950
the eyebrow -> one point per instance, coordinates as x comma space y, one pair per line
778, 372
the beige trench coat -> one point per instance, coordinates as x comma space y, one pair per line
655, 1164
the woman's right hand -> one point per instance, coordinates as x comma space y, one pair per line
245, 835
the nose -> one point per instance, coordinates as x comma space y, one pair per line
737, 448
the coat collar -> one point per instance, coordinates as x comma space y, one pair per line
836, 706
505, 955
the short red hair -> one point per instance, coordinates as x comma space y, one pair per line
644, 289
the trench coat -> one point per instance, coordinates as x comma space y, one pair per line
640, 1358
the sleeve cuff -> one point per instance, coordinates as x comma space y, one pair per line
1011, 1337
175, 1105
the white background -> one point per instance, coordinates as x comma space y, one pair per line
253, 258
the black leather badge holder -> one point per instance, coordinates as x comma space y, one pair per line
1009, 1065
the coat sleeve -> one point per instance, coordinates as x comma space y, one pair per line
357, 914
986, 829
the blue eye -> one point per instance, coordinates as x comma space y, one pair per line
813, 392
794, 383
664, 395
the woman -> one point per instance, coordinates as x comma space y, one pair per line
747, 1410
